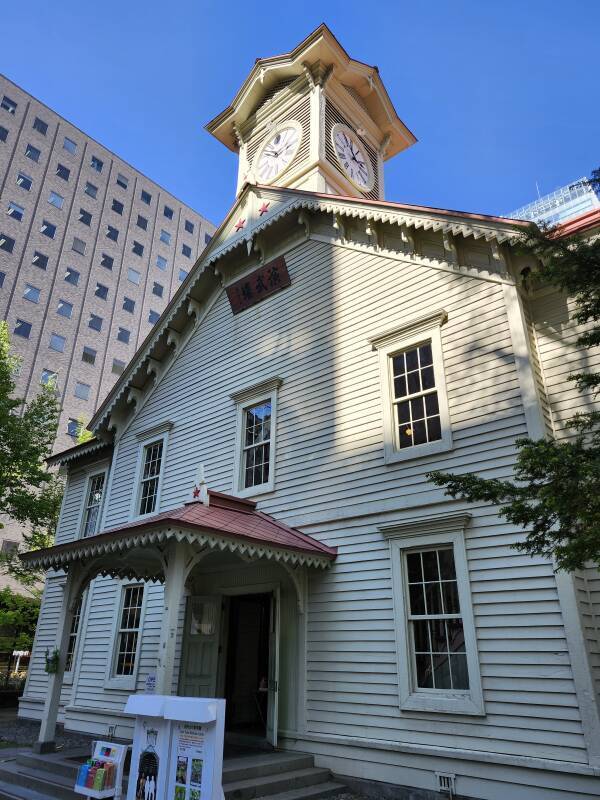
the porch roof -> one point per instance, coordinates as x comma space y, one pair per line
225, 523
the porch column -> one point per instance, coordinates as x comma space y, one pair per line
71, 587
175, 576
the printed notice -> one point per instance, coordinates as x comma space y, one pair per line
189, 752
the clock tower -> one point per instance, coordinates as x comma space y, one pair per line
313, 119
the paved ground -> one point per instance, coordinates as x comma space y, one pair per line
19, 734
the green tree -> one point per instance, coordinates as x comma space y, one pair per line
29, 492
18, 618
555, 493
83, 434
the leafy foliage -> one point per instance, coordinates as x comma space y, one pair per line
555, 493
29, 492
18, 618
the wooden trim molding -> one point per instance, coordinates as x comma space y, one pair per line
412, 328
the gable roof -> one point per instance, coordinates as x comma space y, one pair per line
282, 202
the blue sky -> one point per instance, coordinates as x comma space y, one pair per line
500, 94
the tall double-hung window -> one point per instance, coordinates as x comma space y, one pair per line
93, 504
438, 665
128, 632
415, 407
150, 480
256, 427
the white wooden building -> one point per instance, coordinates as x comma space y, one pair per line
253, 519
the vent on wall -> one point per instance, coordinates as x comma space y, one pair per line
332, 115
445, 783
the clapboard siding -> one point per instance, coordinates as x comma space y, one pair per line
556, 336
70, 514
45, 637
315, 336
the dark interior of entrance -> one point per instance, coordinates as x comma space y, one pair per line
246, 677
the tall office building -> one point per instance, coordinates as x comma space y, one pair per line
91, 251
561, 205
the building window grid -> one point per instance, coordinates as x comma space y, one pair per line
33, 153
40, 126
129, 628
415, 397
15, 211
72, 644
153, 454
91, 516
24, 181
435, 621
256, 449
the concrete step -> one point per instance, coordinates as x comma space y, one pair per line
256, 766
268, 776
326, 789
266, 785
54, 763
15, 777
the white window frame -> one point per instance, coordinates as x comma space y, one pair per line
266, 391
91, 473
395, 341
145, 438
68, 674
125, 683
419, 534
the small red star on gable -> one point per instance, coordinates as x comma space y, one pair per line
240, 224
263, 209
196, 492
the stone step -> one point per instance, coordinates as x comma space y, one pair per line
269, 776
54, 763
15, 777
266, 785
256, 766
326, 789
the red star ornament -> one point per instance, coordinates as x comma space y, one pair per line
196, 492
240, 224
264, 208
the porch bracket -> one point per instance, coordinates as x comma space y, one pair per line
299, 578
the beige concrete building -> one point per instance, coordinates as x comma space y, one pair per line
91, 251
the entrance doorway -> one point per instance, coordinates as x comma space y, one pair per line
231, 650
247, 666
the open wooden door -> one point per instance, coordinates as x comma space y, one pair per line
200, 656
273, 706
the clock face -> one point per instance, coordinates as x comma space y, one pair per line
278, 152
353, 157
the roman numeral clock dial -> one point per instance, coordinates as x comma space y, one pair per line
278, 152
353, 157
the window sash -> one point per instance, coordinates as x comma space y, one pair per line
150, 478
93, 505
434, 661
128, 630
73, 633
256, 446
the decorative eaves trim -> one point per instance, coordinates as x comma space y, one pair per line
411, 328
88, 549
449, 521
264, 387
76, 453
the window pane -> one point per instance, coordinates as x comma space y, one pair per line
424, 671
430, 565
460, 672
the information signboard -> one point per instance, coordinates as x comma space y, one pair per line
177, 748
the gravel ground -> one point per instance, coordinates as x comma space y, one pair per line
24, 732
